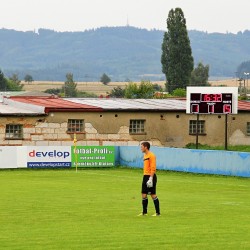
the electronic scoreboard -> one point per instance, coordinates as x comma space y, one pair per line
212, 100
202, 103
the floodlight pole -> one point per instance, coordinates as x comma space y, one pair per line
225, 131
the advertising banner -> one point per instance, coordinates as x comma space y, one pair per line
8, 157
21, 156
93, 156
49, 157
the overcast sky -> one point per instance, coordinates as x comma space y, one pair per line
78, 15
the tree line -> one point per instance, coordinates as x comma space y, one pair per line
10, 84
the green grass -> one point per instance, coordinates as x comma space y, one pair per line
97, 208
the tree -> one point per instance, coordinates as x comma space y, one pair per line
179, 92
157, 87
105, 79
69, 87
53, 91
131, 91
28, 78
144, 90
199, 76
117, 92
3, 82
14, 83
177, 60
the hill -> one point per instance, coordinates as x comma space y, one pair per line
121, 52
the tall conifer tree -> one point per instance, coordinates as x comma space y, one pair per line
70, 86
177, 60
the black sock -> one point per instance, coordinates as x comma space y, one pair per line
145, 205
157, 205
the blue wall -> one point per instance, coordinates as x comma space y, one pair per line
191, 160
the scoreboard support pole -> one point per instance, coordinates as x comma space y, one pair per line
197, 134
226, 131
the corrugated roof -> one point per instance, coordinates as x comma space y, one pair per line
143, 104
12, 109
32, 93
132, 104
42, 105
4, 94
53, 103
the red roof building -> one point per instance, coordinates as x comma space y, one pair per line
53, 103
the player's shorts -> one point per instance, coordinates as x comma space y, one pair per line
145, 189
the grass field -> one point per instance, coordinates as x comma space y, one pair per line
97, 208
97, 88
100, 89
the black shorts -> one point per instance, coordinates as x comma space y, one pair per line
145, 189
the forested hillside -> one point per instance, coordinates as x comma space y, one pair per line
121, 52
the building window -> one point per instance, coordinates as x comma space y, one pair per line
75, 126
14, 131
248, 128
137, 127
192, 127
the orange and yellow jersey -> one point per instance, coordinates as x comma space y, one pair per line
149, 164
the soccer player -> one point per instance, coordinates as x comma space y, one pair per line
149, 180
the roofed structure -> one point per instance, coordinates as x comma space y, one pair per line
133, 104
54, 103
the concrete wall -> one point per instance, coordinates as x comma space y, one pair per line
238, 129
170, 129
196, 161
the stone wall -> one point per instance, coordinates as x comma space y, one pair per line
112, 128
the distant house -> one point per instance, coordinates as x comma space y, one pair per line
49, 120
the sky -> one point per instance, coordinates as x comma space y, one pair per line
78, 15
